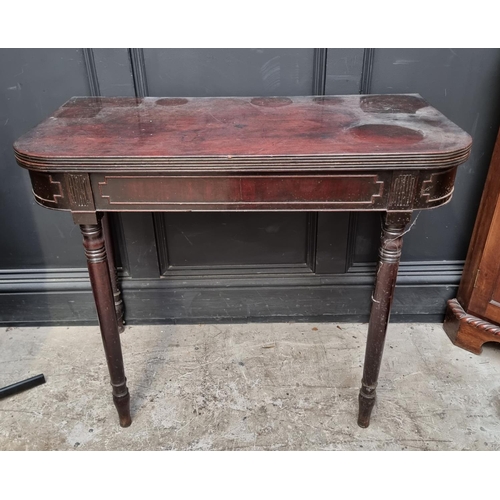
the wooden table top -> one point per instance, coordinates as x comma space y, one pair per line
243, 134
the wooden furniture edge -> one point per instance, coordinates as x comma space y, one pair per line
468, 331
481, 228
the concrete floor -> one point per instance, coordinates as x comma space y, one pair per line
248, 387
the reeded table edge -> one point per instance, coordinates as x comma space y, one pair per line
243, 163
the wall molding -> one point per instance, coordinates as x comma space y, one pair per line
88, 57
147, 305
139, 72
444, 274
319, 71
37, 297
367, 71
364, 88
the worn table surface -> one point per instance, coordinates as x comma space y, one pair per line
116, 134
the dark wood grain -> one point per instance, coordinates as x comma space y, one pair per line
485, 213
116, 134
473, 318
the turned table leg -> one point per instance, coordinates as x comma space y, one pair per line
95, 251
394, 224
113, 275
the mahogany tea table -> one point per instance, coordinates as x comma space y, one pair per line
387, 153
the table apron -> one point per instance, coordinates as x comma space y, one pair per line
147, 192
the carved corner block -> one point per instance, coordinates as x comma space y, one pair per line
81, 199
402, 192
65, 192
80, 192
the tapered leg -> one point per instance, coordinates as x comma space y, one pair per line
95, 251
106, 229
394, 224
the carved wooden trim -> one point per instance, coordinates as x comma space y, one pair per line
95, 249
467, 331
80, 192
392, 243
57, 192
402, 192
438, 187
478, 323
48, 190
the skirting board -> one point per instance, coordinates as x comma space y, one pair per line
424, 303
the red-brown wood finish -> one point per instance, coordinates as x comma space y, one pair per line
473, 318
391, 243
113, 275
390, 153
238, 133
95, 251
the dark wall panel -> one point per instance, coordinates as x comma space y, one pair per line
236, 239
33, 83
464, 85
344, 71
226, 72
114, 72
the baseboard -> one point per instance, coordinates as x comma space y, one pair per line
63, 297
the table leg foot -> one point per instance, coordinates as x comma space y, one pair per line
366, 398
122, 404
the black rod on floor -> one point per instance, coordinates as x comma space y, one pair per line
22, 386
